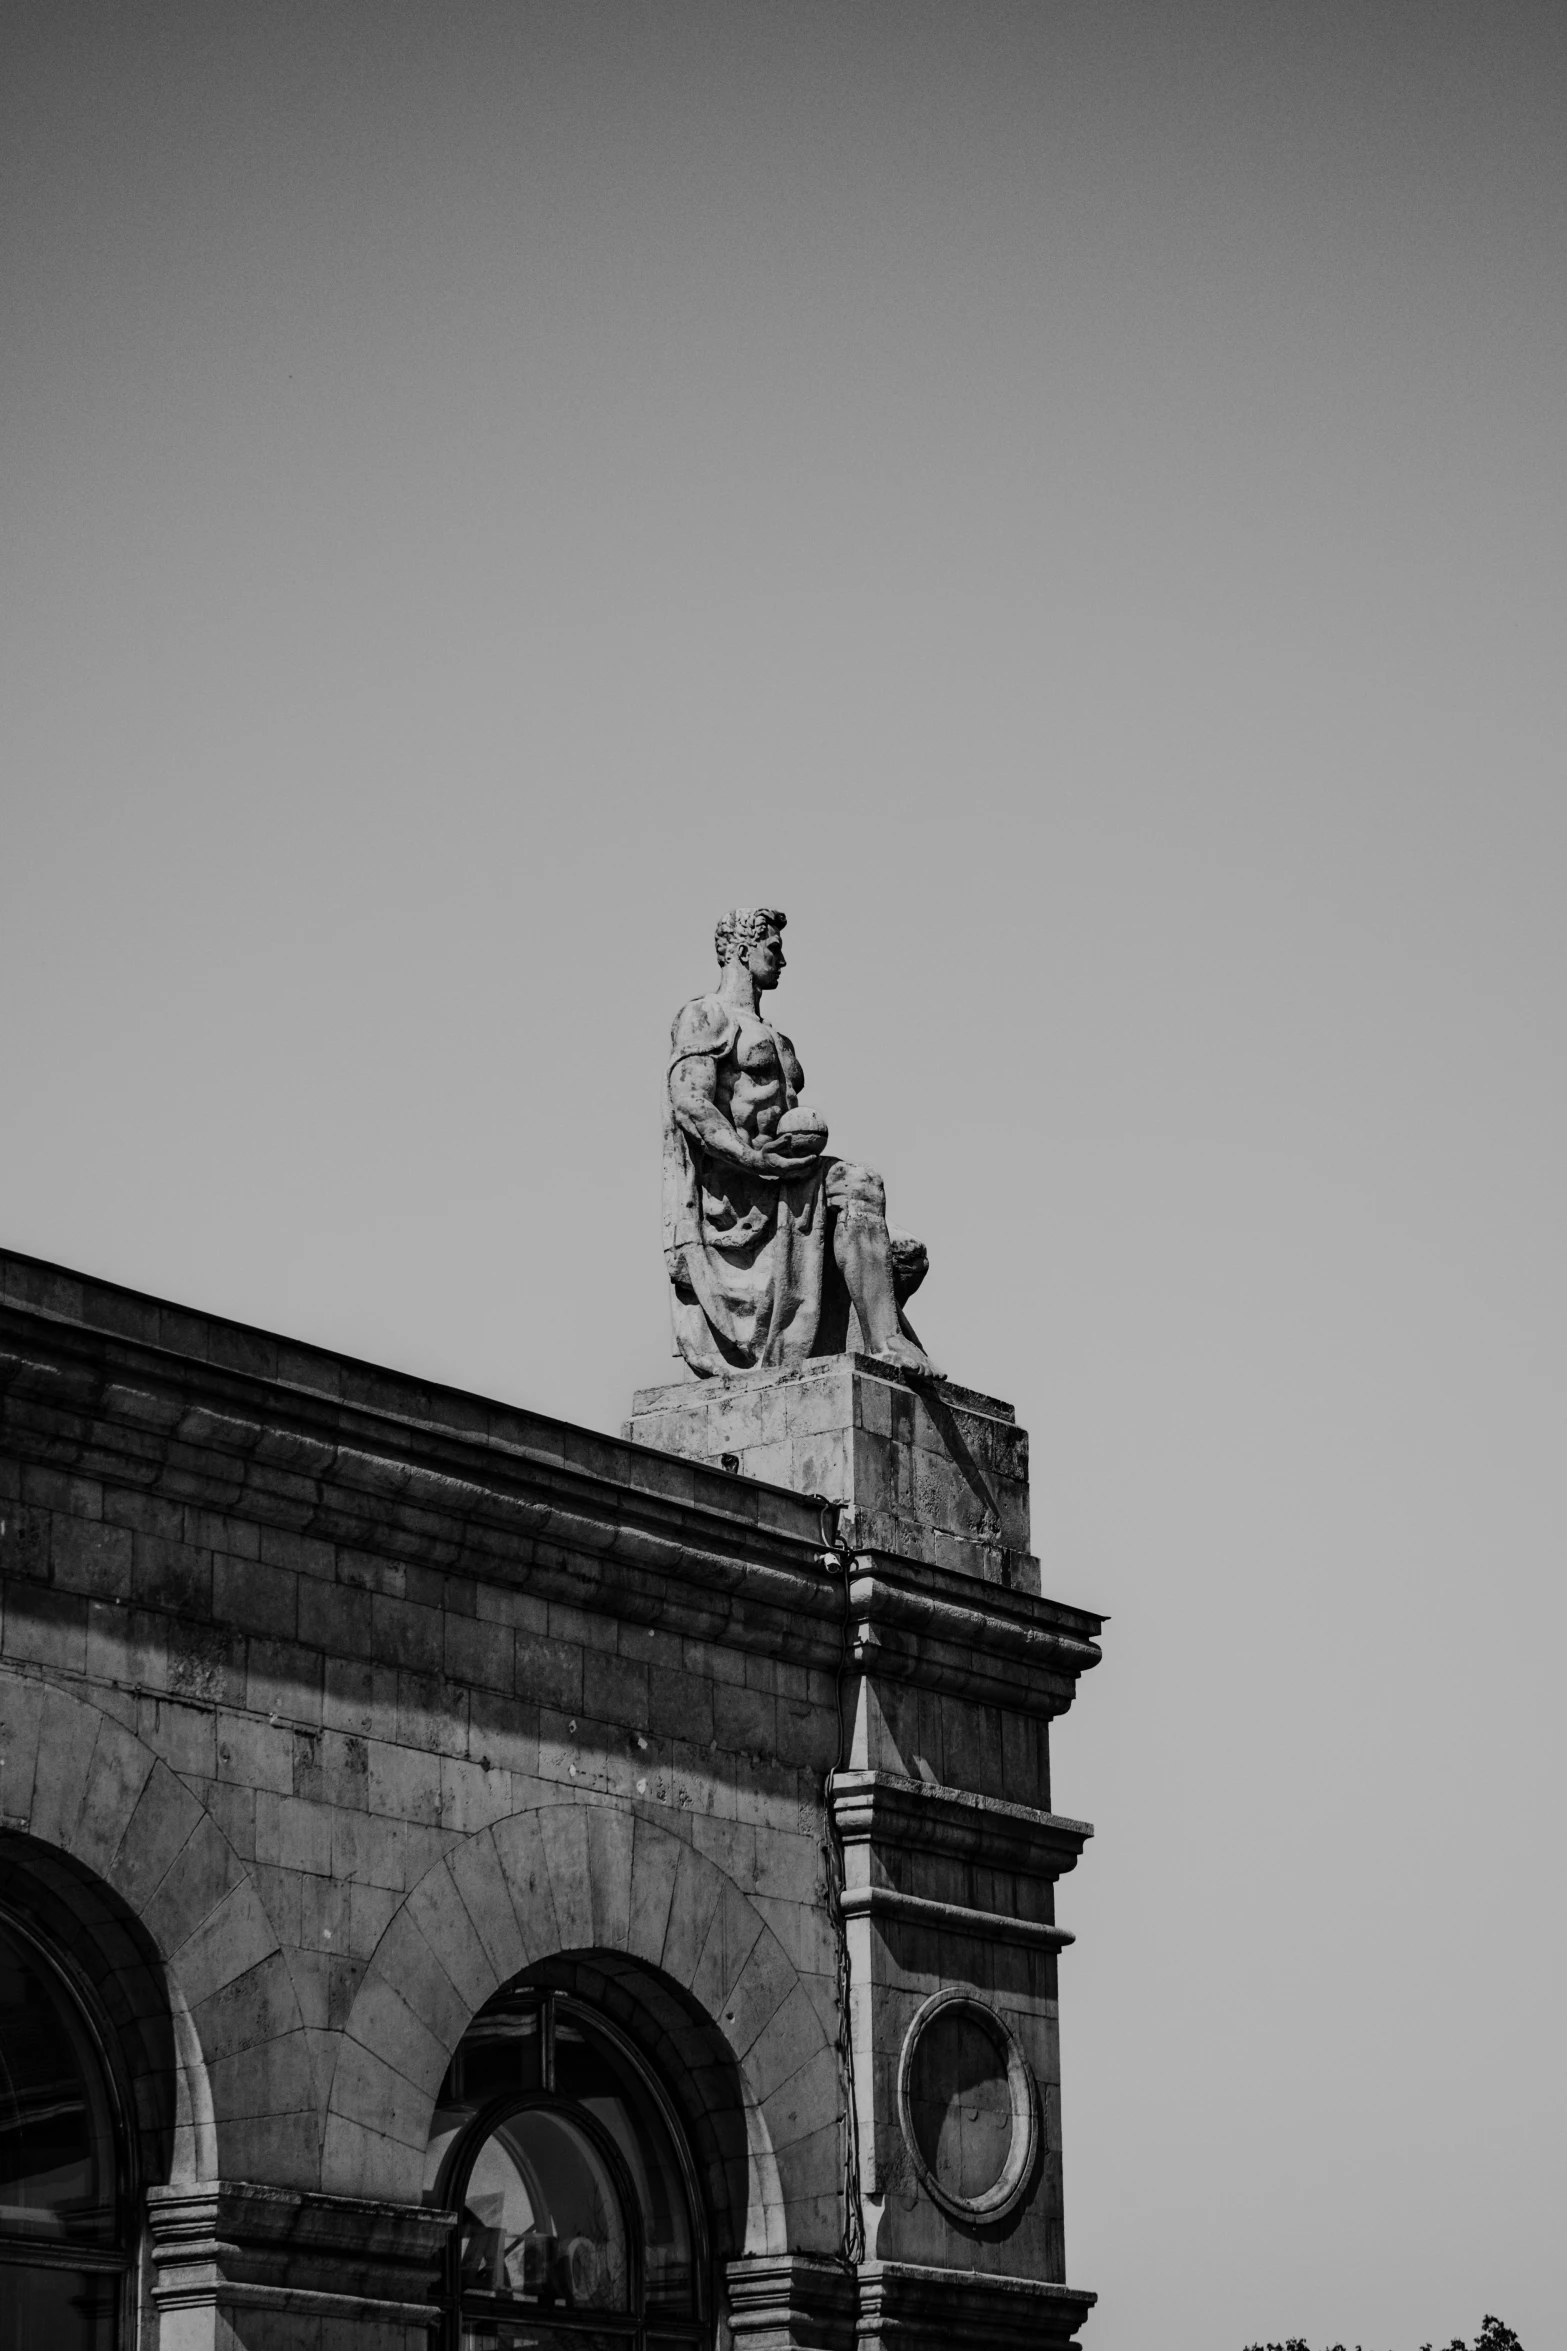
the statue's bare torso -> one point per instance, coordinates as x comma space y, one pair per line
758, 1078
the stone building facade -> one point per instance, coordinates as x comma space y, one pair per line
468, 1880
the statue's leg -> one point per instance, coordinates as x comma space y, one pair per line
864, 1254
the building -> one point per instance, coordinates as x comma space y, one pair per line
468, 1880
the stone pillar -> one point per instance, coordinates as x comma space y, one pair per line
948, 1904
237, 2267
943, 1829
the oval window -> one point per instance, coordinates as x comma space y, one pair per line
63, 2254
969, 2108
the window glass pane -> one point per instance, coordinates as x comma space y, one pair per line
57, 2174
627, 2112
541, 2219
56, 2309
499, 2058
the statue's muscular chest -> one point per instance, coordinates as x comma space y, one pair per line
757, 1076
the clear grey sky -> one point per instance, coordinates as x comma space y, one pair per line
1070, 501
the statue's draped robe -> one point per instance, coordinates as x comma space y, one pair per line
745, 1253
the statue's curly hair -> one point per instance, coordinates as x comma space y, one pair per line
744, 926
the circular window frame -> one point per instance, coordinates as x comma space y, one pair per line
1005, 2194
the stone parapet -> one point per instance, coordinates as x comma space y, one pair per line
351, 1459
468, 1497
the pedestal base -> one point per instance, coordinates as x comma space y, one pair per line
924, 1469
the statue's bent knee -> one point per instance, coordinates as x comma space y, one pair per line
910, 1262
856, 1192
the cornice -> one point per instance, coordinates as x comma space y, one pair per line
340, 1451
876, 1807
922, 2306
903, 1609
957, 1918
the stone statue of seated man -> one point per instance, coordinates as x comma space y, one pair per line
771, 1243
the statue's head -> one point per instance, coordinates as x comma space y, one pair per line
750, 935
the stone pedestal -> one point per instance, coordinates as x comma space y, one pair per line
925, 1469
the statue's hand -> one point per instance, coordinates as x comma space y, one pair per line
772, 1160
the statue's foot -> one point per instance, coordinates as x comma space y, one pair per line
908, 1357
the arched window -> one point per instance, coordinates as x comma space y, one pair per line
579, 2225
63, 2204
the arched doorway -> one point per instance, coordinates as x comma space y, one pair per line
65, 2199
580, 2227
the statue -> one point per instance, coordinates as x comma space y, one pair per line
769, 1241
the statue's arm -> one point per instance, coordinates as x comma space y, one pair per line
693, 1090
693, 1095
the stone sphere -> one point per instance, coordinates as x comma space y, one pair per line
806, 1129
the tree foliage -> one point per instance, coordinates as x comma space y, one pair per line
1495, 2335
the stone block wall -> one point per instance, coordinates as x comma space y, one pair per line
331, 1703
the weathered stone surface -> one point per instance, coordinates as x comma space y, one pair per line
781, 2302
923, 1469
926, 2309
772, 1247
238, 2265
